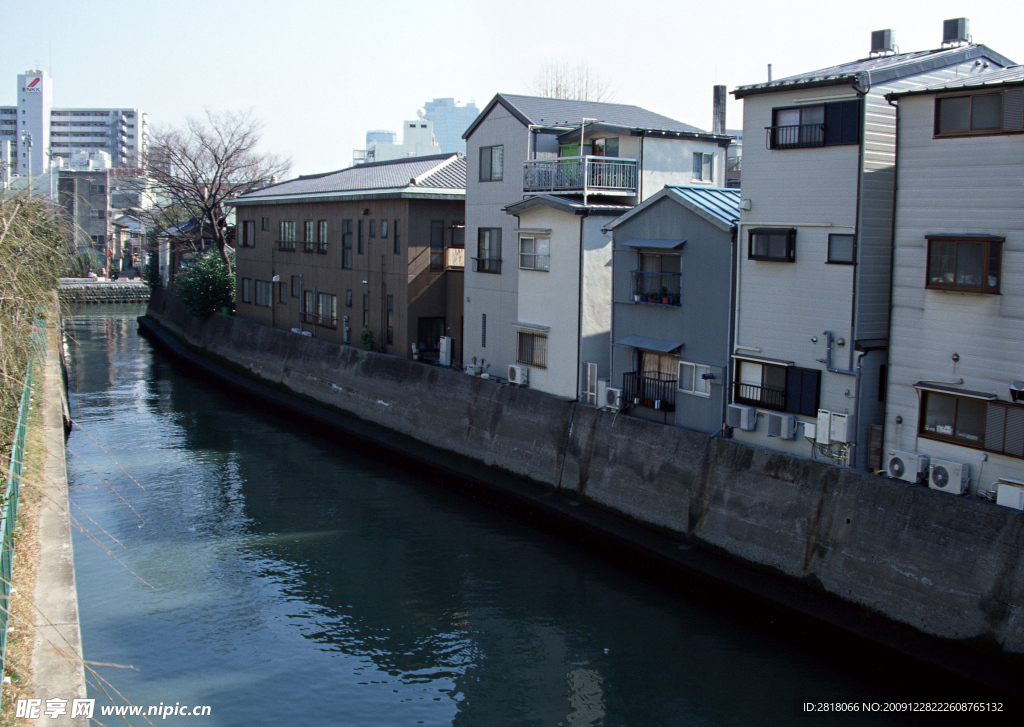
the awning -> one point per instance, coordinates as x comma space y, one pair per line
650, 344
947, 389
653, 244
531, 326
533, 231
763, 359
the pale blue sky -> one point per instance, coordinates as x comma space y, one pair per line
319, 74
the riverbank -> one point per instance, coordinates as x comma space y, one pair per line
918, 571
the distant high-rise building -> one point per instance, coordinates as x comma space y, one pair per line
450, 121
417, 141
37, 130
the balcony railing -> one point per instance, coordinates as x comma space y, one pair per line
656, 393
762, 396
488, 264
660, 288
797, 136
455, 257
587, 174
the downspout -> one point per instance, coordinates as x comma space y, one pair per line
892, 254
729, 361
579, 311
640, 171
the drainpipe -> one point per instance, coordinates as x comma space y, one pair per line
579, 309
733, 304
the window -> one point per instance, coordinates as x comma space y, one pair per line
308, 307
327, 310
590, 385
97, 189
321, 236
264, 292
459, 234
248, 233
308, 236
607, 147
391, 319
694, 378
373, 228
97, 214
775, 245
348, 298
488, 250
265, 224
781, 388
437, 244
703, 167
492, 163
657, 279
967, 264
483, 330
982, 113
398, 237
828, 124
842, 249
346, 244
359, 237
286, 239
366, 310
534, 253
383, 228
296, 285
247, 290
532, 349
958, 419
282, 292
1004, 428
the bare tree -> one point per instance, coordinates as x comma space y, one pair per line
193, 171
574, 81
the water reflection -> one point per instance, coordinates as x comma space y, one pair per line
296, 581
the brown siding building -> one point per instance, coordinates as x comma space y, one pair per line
376, 248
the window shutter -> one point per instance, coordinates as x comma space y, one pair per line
842, 122
802, 387
833, 123
1013, 110
851, 122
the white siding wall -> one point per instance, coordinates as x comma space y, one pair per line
670, 161
966, 185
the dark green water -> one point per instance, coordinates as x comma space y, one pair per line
294, 581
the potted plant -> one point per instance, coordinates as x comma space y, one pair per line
664, 295
636, 296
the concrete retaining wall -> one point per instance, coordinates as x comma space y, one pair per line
947, 566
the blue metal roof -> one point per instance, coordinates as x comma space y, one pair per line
721, 203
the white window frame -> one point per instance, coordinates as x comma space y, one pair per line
538, 256
704, 171
694, 379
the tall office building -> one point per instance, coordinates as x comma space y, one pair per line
37, 130
450, 121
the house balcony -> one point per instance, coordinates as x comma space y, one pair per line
762, 396
795, 136
656, 393
656, 288
584, 175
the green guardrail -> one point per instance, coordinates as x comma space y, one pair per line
10, 504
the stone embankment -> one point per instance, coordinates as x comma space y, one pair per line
930, 574
85, 290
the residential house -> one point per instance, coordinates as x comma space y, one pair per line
812, 302
672, 307
581, 161
956, 373
84, 195
375, 251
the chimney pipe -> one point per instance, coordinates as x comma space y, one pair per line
769, 73
718, 112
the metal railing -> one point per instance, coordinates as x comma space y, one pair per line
488, 264
10, 505
606, 175
797, 136
763, 396
656, 393
660, 288
455, 257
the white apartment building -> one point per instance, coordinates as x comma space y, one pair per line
38, 131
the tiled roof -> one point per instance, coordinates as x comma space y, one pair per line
564, 112
998, 77
723, 204
877, 70
438, 171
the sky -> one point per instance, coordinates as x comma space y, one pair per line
318, 75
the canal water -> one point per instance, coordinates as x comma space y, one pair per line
237, 559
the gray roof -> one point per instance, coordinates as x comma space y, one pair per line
559, 112
1014, 75
566, 204
718, 205
880, 69
435, 172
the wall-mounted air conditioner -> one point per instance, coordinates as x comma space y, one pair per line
781, 425
1010, 493
518, 375
742, 417
906, 466
949, 476
613, 398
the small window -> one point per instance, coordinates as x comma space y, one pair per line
327, 310
248, 233
534, 253
459, 234
391, 319
264, 292
373, 228
842, 249
780, 388
247, 290
492, 164
774, 245
308, 307
397, 241
296, 286
366, 310
436, 244
532, 349
359, 237
970, 265
282, 293
981, 113
348, 298
383, 228
346, 244
703, 167
694, 378
286, 238
488, 250
265, 224
958, 419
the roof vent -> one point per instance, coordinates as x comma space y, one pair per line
956, 31
883, 41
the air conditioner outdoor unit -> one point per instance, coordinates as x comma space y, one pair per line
613, 398
949, 476
906, 466
602, 392
781, 425
518, 375
445, 357
742, 417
